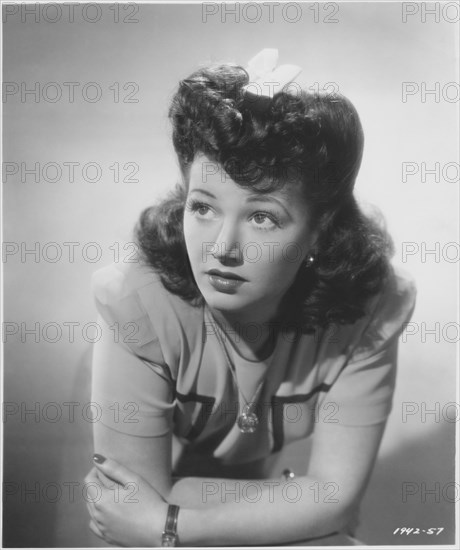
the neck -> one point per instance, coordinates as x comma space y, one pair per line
252, 332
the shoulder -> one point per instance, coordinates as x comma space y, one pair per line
389, 311
117, 281
395, 305
132, 295
129, 283
363, 379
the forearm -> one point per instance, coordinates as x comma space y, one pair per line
263, 511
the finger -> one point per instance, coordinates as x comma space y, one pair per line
95, 477
92, 511
115, 471
91, 476
93, 490
95, 529
106, 481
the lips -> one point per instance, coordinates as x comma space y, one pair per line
225, 274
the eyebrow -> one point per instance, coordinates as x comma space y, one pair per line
252, 198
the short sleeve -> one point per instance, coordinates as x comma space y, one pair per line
132, 390
363, 392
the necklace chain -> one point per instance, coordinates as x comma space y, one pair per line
247, 421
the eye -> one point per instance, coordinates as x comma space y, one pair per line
198, 207
261, 219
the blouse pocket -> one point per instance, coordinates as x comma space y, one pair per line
294, 417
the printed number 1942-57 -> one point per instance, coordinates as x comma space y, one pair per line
417, 531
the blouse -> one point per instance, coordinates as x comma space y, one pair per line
159, 367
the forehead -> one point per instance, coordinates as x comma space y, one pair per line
207, 174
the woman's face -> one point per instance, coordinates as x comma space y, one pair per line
262, 239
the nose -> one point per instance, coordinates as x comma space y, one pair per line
227, 245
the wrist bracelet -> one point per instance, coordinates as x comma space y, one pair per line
169, 536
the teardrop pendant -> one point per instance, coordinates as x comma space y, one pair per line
247, 421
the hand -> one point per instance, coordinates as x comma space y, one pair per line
125, 509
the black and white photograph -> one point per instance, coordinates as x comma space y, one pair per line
230, 274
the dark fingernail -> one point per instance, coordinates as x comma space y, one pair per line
98, 458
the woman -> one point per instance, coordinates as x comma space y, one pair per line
263, 307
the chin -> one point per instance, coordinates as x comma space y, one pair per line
225, 302
228, 302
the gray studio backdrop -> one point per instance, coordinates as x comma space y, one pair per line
87, 146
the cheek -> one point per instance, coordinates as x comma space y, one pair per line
187, 224
190, 238
288, 258
285, 270
278, 268
198, 250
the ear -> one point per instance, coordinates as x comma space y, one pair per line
312, 239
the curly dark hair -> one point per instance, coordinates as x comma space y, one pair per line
261, 142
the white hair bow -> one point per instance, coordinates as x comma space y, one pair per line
265, 78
